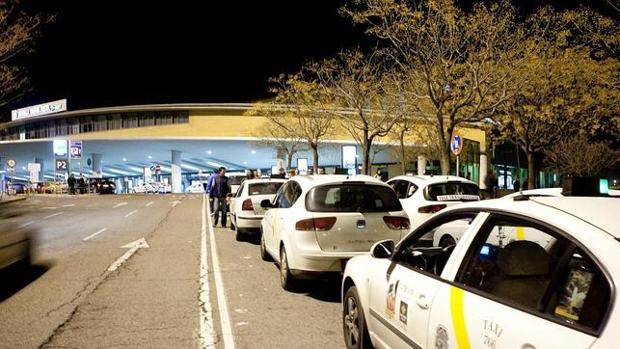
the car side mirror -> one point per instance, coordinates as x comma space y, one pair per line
382, 249
266, 203
230, 195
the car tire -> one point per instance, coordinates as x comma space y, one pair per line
264, 255
286, 278
354, 327
447, 241
239, 235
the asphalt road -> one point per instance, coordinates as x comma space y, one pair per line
95, 283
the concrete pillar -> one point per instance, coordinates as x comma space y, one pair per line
175, 175
96, 165
42, 173
483, 170
421, 165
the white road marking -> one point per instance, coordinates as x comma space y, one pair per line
68, 205
227, 333
120, 204
174, 203
207, 329
242, 323
133, 247
130, 213
53, 215
26, 224
95, 234
51, 207
149, 203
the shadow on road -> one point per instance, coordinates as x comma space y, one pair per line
325, 290
253, 239
17, 277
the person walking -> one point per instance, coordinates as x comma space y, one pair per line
210, 187
82, 185
219, 192
71, 183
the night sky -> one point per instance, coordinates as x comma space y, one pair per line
102, 53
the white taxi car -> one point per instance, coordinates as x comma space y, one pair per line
423, 196
492, 292
245, 209
316, 223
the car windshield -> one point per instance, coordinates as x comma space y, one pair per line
348, 197
264, 188
452, 191
235, 180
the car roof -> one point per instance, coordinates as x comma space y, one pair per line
426, 179
537, 192
600, 212
309, 181
263, 180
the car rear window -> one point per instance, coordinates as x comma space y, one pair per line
235, 180
264, 188
452, 191
352, 198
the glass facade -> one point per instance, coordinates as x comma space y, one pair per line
94, 123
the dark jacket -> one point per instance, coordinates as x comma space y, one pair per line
220, 187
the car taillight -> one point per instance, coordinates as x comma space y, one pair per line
247, 205
317, 224
431, 208
395, 222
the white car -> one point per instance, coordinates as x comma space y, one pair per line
144, 188
245, 206
490, 293
162, 188
196, 188
423, 196
316, 223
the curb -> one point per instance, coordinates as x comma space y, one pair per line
4, 202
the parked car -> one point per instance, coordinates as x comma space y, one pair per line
316, 223
490, 287
106, 187
423, 196
144, 188
196, 188
245, 205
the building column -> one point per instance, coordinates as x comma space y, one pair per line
42, 172
421, 165
175, 173
96, 165
483, 170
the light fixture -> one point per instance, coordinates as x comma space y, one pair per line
24, 168
245, 162
209, 152
124, 159
150, 157
253, 151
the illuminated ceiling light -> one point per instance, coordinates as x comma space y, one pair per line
124, 159
150, 157
214, 164
245, 162
24, 168
209, 152
253, 151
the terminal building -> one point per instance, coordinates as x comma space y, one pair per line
184, 141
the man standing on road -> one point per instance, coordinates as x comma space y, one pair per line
71, 183
210, 187
219, 191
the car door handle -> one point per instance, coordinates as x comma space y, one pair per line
422, 303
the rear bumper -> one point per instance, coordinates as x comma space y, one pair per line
248, 222
312, 265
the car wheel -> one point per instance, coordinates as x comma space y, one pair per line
286, 279
354, 324
239, 235
264, 255
447, 241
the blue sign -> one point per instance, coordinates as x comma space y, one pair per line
76, 149
456, 145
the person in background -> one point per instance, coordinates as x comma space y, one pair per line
82, 184
378, 174
516, 185
219, 191
71, 183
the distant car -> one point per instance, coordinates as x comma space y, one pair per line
162, 188
17, 188
423, 196
492, 289
106, 187
245, 205
144, 188
196, 188
316, 223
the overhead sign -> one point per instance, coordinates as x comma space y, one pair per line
39, 109
456, 145
60, 148
61, 165
10, 163
76, 149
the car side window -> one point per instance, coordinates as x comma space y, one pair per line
278, 198
418, 251
239, 190
400, 187
537, 269
289, 195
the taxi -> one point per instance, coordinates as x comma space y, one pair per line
493, 290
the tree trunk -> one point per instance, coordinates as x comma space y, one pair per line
289, 159
445, 160
315, 158
366, 145
531, 174
403, 161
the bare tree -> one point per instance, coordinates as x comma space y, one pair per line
284, 141
456, 66
580, 156
18, 30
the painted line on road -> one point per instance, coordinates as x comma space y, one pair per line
130, 213
149, 203
207, 329
133, 247
120, 204
53, 215
51, 207
174, 203
227, 333
68, 205
95, 234
26, 224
